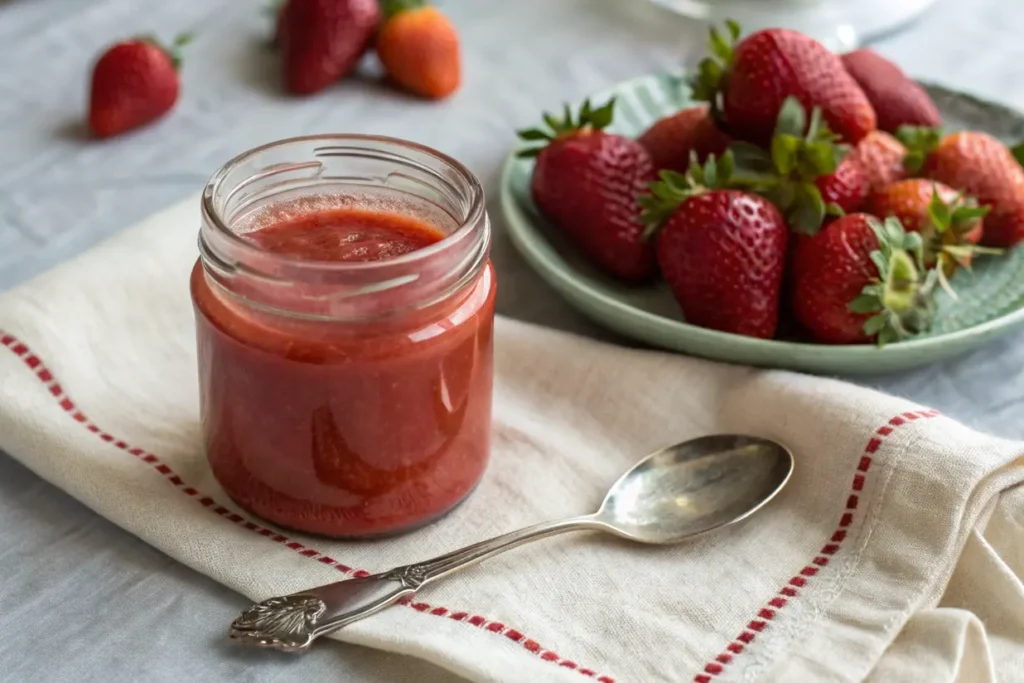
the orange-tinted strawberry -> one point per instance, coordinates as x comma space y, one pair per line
896, 99
671, 139
981, 166
587, 182
721, 251
860, 280
880, 156
748, 83
949, 223
419, 48
805, 173
133, 83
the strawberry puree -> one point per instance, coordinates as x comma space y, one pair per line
338, 427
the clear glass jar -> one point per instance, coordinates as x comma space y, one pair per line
345, 398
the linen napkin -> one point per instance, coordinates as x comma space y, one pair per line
895, 553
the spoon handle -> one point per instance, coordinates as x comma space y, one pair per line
292, 622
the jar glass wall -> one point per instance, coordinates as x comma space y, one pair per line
345, 397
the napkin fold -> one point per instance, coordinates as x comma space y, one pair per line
894, 554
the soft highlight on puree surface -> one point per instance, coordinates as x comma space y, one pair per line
345, 353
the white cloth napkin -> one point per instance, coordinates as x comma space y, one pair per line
895, 553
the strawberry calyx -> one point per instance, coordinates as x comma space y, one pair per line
802, 150
675, 188
587, 119
174, 50
708, 83
389, 8
901, 297
920, 142
951, 223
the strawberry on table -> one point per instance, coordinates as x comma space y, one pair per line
897, 99
419, 48
949, 223
979, 165
721, 251
747, 82
322, 40
807, 172
861, 280
133, 83
671, 139
880, 156
587, 182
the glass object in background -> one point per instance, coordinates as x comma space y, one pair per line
343, 395
841, 24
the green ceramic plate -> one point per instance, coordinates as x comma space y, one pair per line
990, 303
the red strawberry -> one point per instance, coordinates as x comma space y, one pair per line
860, 280
721, 251
897, 100
806, 173
846, 187
133, 83
980, 166
587, 182
949, 223
671, 139
880, 157
747, 83
322, 40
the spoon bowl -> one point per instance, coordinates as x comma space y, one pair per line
694, 487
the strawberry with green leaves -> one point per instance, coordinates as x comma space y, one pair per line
949, 223
722, 251
746, 81
134, 83
861, 280
807, 173
979, 165
587, 182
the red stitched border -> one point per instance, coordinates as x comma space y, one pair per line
833, 546
44, 375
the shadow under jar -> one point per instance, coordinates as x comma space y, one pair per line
344, 312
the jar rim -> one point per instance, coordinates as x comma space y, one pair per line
466, 225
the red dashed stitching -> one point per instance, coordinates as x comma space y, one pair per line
66, 404
767, 614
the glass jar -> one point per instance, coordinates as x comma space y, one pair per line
345, 398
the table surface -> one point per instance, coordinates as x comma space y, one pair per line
83, 601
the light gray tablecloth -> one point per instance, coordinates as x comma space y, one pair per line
82, 601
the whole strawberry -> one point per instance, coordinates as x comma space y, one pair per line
133, 83
746, 83
897, 100
979, 165
322, 40
721, 251
419, 48
861, 280
807, 173
949, 223
880, 157
587, 182
671, 139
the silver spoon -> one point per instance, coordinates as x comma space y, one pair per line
669, 496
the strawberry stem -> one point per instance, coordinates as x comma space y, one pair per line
712, 72
920, 142
675, 188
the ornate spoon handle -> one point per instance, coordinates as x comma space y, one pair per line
292, 622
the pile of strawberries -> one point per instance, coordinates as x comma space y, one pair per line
321, 41
810, 188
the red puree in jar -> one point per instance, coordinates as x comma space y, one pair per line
339, 427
